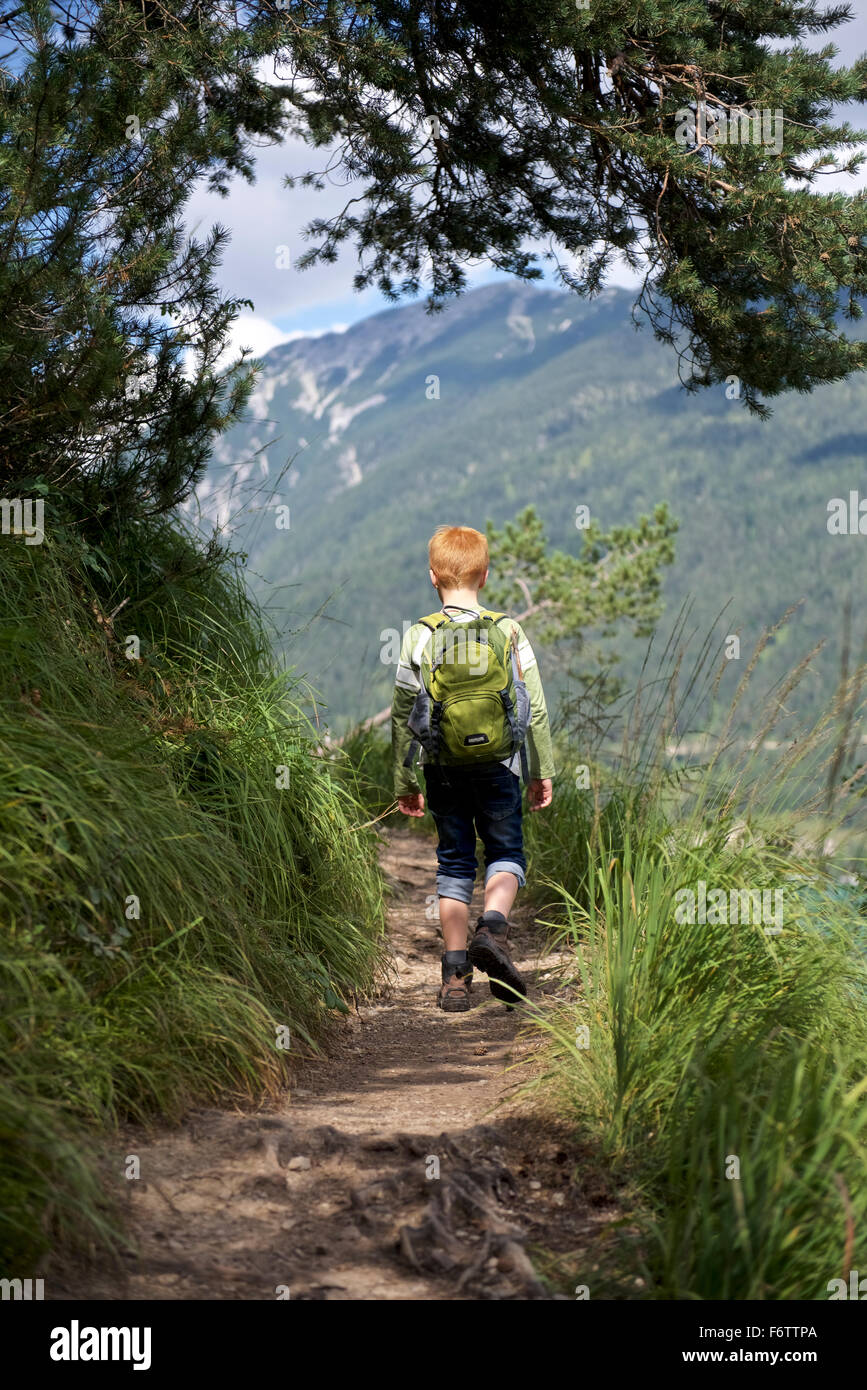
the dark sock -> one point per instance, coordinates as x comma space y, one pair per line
454, 963
494, 921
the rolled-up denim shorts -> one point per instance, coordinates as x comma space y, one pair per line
464, 802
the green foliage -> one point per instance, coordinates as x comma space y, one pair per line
482, 130
114, 326
471, 132
585, 411
721, 1073
364, 759
188, 780
614, 581
712, 1043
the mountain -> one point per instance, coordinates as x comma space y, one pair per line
516, 395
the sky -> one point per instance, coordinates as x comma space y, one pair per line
265, 217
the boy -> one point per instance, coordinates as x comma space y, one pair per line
483, 796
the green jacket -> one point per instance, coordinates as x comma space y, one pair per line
540, 758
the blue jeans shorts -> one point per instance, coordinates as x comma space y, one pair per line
464, 802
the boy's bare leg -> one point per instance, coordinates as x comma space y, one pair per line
500, 892
454, 917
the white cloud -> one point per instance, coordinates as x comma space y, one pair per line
260, 335
254, 332
266, 215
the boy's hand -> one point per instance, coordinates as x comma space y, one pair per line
411, 804
540, 793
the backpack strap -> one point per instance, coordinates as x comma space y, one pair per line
518, 675
525, 769
434, 620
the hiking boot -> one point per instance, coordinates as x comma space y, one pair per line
489, 951
454, 994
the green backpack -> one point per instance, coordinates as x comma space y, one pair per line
473, 706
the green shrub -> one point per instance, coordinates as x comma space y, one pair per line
721, 1074
187, 780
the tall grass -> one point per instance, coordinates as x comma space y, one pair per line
721, 1075
363, 759
181, 874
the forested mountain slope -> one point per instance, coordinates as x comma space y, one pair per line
518, 395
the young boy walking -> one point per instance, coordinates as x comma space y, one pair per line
469, 699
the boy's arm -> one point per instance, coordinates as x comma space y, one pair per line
406, 687
540, 754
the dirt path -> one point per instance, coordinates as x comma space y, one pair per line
398, 1171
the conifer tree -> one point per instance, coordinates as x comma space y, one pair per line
112, 325
689, 136
575, 602
646, 129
